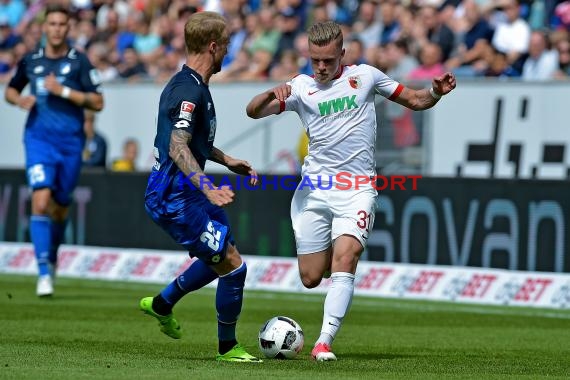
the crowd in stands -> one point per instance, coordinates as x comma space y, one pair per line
143, 40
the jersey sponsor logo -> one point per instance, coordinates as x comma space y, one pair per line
182, 124
38, 69
65, 68
40, 87
355, 82
313, 92
186, 109
337, 105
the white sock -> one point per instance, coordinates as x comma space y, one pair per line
337, 303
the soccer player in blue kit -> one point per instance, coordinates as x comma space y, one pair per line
183, 201
63, 83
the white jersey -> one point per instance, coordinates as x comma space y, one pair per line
340, 120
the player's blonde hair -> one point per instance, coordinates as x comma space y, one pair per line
323, 33
203, 28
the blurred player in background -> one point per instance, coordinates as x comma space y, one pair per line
183, 201
337, 109
63, 83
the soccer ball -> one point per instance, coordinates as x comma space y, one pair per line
281, 338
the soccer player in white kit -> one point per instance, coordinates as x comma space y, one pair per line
332, 212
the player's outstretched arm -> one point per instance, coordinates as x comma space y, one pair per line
419, 100
237, 166
270, 102
180, 153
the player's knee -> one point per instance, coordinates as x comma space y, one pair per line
40, 207
41, 201
310, 280
345, 263
230, 262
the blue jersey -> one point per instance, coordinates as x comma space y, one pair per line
53, 119
186, 104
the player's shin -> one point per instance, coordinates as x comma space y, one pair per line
195, 277
337, 304
41, 239
229, 300
57, 235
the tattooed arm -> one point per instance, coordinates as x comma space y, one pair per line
219, 156
237, 166
181, 155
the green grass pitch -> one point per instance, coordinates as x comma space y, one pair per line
93, 330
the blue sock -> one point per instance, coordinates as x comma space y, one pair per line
198, 275
229, 298
57, 235
40, 232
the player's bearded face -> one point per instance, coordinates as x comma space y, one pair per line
55, 28
325, 61
221, 51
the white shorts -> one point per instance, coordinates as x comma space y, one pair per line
320, 216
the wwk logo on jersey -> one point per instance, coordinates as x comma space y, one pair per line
186, 109
337, 105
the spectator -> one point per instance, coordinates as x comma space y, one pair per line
368, 27
542, 63
95, 151
98, 54
563, 49
513, 35
399, 62
127, 163
430, 63
7, 65
354, 52
32, 36
390, 25
286, 68
238, 35
476, 37
147, 43
234, 72
429, 28
132, 69
302, 49
288, 25
498, 65
265, 36
8, 39
259, 66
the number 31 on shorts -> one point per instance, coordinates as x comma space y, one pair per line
364, 220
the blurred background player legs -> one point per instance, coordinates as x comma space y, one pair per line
52, 175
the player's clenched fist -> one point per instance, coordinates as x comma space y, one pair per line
282, 92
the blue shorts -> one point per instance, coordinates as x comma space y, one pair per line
193, 222
48, 166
